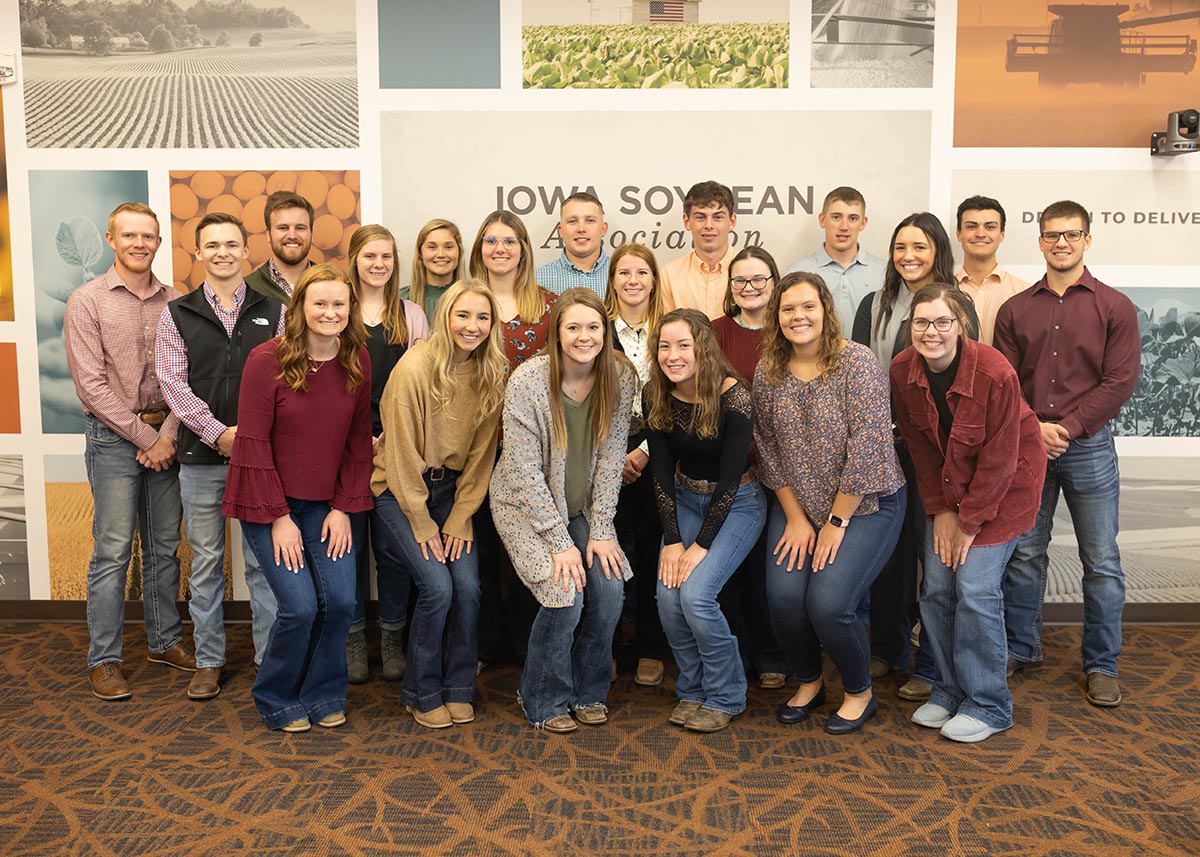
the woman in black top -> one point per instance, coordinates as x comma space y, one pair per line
711, 507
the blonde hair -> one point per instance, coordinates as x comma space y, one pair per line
420, 277
491, 368
293, 346
132, 208
392, 318
777, 350
655, 307
607, 368
712, 368
531, 298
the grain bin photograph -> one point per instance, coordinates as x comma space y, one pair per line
14, 551
116, 74
334, 195
878, 44
655, 44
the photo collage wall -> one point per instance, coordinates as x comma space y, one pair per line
396, 113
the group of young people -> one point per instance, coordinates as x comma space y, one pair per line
771, 463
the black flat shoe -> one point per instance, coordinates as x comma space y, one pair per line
841, 726
790, 714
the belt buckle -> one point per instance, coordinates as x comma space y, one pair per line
436, 474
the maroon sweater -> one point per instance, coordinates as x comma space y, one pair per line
992, 467
741, 345
313, 445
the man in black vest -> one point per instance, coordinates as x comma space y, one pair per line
203, 341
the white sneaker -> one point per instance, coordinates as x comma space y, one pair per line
967, 729
932, 716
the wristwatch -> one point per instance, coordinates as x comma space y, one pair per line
839, 522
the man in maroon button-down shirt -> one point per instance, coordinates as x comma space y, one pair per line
1075, 345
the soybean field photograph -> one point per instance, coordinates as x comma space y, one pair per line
1166, 401
655, 44
115, 74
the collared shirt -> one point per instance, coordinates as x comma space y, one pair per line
109, 336
635, 342
171, 363
848, 285
278, 279
996, 288
563, 274
689, 282
1078, 355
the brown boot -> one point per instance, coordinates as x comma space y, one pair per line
177, 656
205, 683
708, 720
108, 683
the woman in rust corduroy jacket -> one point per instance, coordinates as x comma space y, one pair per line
980, 465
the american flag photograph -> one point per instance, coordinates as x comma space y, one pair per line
655, 44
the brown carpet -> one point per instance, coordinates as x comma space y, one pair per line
160, 775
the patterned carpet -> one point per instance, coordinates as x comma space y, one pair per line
160, 775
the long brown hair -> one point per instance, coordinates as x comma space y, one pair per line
777, 350
420, 277
712, 368
943, 263
955, 298
607, 368
751, 252
654, 307
393, 305
293, 345
491, 366
531, 298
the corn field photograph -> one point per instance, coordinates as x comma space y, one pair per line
215, 74
655, 44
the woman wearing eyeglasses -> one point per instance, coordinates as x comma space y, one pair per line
980, 463
921, 255
753, 275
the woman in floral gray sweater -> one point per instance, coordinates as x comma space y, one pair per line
553, 497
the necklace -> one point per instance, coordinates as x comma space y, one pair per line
314, 365
372, 320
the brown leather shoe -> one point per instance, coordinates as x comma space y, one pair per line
108, 683
915, 690
560, 724
772, 681
1103, 690
205, 684
708, 720
435, 718
649, 672
461, 712
683, 711
592, 715
177, 656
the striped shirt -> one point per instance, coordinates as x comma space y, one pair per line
563, 274
109, 335
171, 363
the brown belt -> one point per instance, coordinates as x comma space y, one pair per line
152, 418
702, 486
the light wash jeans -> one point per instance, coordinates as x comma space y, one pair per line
569, 664
963, 612
1087, 475
304, 670
126, 495
706, 652
202, 488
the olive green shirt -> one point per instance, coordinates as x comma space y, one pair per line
578, 476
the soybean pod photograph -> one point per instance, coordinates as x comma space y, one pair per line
655, 44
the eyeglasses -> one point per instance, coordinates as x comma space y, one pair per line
1073, 236
740, 284
492, 241
941, 325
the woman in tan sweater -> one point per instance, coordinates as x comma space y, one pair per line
440, 411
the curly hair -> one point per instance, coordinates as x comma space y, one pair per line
293, 345
777, 350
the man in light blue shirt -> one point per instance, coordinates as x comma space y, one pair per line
850, 271
583, 262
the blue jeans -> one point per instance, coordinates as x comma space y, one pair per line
963, 612
810, 610
1088, 477
443, 639
570, 648
202, 487
706, 652
392, 577
126, 495
304, 670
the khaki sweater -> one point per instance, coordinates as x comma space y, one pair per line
418, 435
